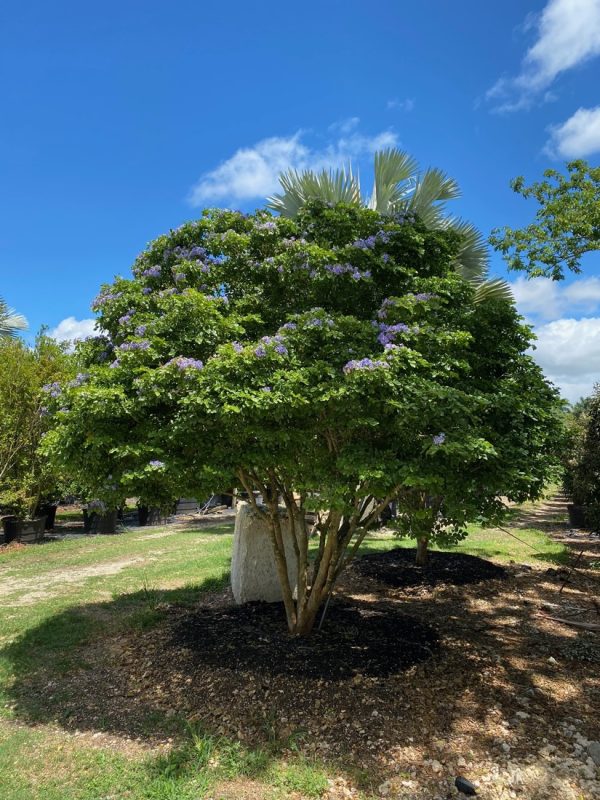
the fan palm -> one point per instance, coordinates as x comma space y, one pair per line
398, 187
10, 321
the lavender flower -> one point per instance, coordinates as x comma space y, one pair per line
156, 463
79, 379
152, 272
289, 326
389, 332
180, 276
126, 317
53, 389
265, 388
266, 226
424, 296
365, 244
439, 439
130, 346
183, 363
115, 364
281, 349
364, 364
140, 330
260, 351
237, 347
146, 290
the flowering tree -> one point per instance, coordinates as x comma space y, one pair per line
332, 362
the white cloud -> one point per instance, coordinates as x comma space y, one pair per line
408, 104
253, 171
542, 299
568, 35
568, 350
70, 329
578, 137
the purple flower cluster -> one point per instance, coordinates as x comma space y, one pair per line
364, 363
237, 347
388, 303
185, 363
370, 242
152, 272
278, 341
387, 333
116, 363
127, 347
156, 463
127, 317
180, 276
439, 439
140, 330
266, 226
53, 389
105, 298
146, 290
289, 326
424, 296
347, 269
79, 380
265, 388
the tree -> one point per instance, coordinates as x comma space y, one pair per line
24, 473
10, 321
334, 361
398, 188
566, 225
581, 479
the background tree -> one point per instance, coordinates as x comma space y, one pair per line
10, 322
399, 187
333, 361
25, 475
582, 457
566, 225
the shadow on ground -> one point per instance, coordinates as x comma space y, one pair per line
124, 668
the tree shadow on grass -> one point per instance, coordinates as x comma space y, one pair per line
117, 667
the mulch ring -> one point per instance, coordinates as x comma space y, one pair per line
370, 639
397, 568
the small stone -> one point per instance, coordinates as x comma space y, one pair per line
522, 715
552, 660
436, 766
594, 751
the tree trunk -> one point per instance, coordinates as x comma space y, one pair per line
421, 559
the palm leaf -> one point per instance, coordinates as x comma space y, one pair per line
10, 321
428, 199
473, 257
394, 178
330, 186
495, 289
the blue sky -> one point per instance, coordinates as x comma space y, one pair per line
120, 120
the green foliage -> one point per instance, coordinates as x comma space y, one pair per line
25, 476
582, 457
328, 359
566, 225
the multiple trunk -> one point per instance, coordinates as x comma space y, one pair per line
339, 536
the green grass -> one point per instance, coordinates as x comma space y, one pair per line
53, 604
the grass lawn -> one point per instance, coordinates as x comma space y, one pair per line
59, 596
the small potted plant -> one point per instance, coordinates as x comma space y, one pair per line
99, 518
21, 524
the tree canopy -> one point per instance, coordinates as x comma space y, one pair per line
335, 360
566, 225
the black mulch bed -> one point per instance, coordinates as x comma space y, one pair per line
397, 568
356, 638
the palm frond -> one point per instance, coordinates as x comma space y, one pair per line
428, 199
10, 321
331, 186
496, 289
473, 258
394, 178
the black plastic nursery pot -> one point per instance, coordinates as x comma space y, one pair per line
149, 515
577, 515
23, 530
49, 511
100, 523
